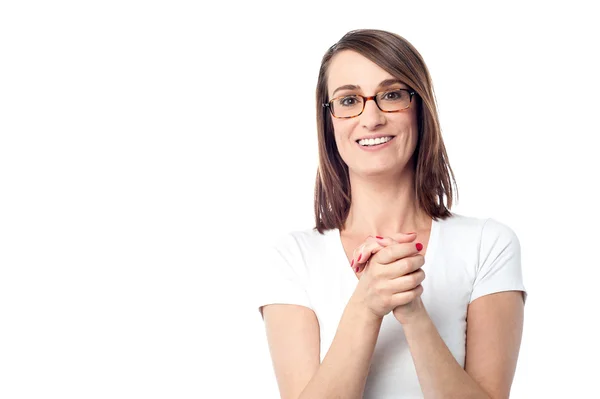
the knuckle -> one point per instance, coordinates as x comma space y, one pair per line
415, 264
418, 290
404, 298
376, 272
384, 253
388, 252
408, 281
413, 294
419, 276
414, 279
405, 265
385, 302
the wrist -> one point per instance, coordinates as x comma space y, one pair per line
362, 313
413, 313
416, 319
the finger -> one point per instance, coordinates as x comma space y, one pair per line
396, 238
363, 253
402, 267
372, 245
402, 298
394, 252
408, 281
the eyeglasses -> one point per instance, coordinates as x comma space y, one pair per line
353, 105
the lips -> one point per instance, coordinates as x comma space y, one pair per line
372, 142
375, 147
375, 137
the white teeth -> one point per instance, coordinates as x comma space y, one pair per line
370, 142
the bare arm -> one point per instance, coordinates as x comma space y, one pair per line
494, 327
293, 336
494, 332
293, 332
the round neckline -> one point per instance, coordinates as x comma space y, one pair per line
429, 254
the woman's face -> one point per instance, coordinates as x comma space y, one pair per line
351, 73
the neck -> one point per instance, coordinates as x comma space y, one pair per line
384, 206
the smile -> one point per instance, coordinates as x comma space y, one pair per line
374, 142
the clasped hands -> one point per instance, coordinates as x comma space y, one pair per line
390, 276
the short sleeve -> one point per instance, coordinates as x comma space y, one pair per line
282, 275
499, 266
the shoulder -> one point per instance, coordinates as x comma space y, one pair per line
461, 232
476, 238
494, 229
481, 229
492, 243
498, 239
461, 222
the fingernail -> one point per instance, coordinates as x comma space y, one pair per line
381, 238
352, 264
419, 246
410, 233
356, 270
359, 256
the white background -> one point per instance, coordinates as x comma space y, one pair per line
149, 151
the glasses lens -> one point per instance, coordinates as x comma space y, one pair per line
393, 100
347, 106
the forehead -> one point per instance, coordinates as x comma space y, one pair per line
350, 68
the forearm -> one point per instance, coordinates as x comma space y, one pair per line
344, 370
440, 375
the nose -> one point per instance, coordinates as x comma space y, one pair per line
372, 117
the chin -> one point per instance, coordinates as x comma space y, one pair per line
377, 171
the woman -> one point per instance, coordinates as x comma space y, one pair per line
390, 295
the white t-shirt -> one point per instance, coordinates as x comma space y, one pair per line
466, 258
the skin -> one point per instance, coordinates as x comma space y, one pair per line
389, 275
383, 181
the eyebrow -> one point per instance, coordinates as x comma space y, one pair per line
385, 83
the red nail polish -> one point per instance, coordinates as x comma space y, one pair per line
359, 256
412, 232
356, 270
419, 246
352, 264
381, 238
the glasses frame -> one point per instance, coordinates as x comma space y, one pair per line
365, 99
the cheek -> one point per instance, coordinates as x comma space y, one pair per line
337, 126
407, 126
341, 130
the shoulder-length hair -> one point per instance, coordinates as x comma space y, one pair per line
433, 174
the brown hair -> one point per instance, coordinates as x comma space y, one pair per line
433, 174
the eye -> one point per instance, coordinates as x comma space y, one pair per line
393, 95
348, 101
